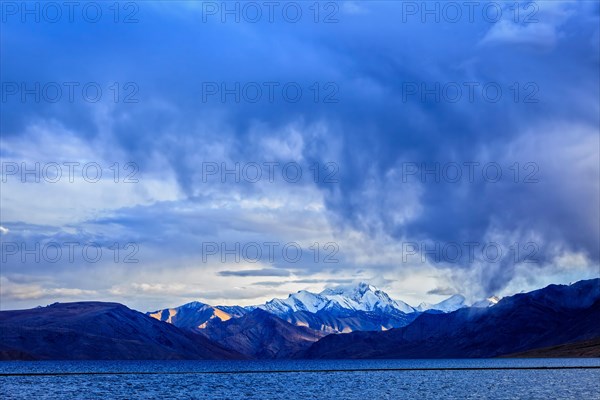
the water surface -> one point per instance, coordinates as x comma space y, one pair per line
311, 379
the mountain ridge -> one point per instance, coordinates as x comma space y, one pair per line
333, 310
99, 331
260, 334
557, 319
554, 315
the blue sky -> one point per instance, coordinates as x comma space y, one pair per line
379, 99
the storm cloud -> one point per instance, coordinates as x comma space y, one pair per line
430, 133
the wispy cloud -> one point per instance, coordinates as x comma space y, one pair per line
256, 272
445, 291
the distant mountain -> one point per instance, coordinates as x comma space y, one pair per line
343, 309
260, 334
343, 321
489, 302
452, 303
362, 297
556, 320
98, 331
555, 315
334, 310
195, 315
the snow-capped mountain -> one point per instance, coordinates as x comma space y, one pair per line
333, 310
362, 297
365, 297
342, 309
301, 301
452, 303
557, 320
490, 301
545, 321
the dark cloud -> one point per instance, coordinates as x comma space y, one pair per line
444, 291
370, 133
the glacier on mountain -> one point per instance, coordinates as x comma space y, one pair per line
362, 297
333, 310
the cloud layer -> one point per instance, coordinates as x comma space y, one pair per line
400, 135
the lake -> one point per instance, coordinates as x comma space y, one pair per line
310, 379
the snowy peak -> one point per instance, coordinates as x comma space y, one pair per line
452, 303
300, 301
353, 292
361, 297
347, 308
193, 305
307, 301
490, 301
364, 297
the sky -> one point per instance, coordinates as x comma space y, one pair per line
155, 153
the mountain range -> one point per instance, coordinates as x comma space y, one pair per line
99, 331
293, 324
555, 315
334, 310
346, 322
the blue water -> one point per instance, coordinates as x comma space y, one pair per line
347, 379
